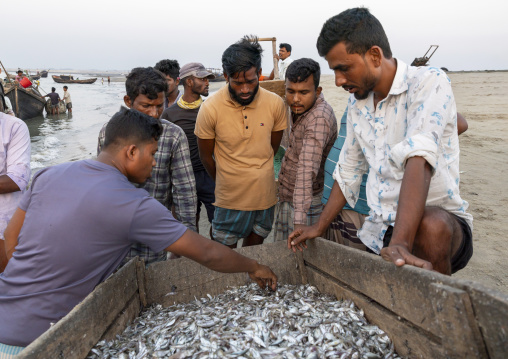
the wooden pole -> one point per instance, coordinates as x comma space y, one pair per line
6, 73
274, 51
275, 61
16, 100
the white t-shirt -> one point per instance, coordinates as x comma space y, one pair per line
67, 97
283, 66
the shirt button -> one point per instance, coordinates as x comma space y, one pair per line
245, 117
247, 127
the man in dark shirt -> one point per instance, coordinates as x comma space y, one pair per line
183, 113
55, 100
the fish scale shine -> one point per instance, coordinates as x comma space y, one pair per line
247, 322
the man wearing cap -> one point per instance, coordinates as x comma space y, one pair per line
183, 113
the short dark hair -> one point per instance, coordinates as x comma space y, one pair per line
65, 87
53, 89
131, 125
300, 70
286, 46
19, 71
169, 67
242, 56
358, 29
145, 81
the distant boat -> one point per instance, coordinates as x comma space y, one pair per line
44, 73
219, 76
64, 79
26, 103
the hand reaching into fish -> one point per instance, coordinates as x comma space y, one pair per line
264, 277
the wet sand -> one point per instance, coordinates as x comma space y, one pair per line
480, 97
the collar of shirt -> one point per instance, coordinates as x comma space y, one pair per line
399, 86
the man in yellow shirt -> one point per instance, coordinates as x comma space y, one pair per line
239, 129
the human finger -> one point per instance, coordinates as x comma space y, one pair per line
392, 254
417, 262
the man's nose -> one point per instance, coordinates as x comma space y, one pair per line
245, 89
153, 111
207, 82
339, 79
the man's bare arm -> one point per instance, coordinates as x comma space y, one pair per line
413, 196
221, 258
11, 235
335, 203
275, 140
7, 185
206, 149
461, 124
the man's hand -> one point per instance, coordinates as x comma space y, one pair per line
276, 57
400, 255
264, 277
297, 238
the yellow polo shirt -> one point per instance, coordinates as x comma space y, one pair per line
243, 152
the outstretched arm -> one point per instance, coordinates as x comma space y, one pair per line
221, 258
334, 205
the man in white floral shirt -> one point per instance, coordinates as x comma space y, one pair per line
402, 130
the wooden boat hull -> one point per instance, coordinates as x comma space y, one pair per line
68, 80
26, 103
61, 107
427, 314
44, 73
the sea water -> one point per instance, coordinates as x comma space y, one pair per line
71, 137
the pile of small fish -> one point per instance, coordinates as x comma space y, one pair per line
247, 322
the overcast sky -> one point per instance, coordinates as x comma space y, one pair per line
111, 34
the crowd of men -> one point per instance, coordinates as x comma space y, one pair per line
386, 180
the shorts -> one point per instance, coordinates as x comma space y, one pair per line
344, 228
54, 106
68, 105
9, 351
465, 251
284, 224
205, 188
230, 225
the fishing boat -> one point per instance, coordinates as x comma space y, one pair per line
44, 73
219, 76
26, 102
64, 79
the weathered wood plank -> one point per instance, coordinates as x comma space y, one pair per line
75, 334
276, 86
126, 316
491, 312
409, 341
180, 280
406, 291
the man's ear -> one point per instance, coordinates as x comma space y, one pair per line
127, 101
226, 76
376, 55
177, 81
318, 91
260, 72
131, 151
